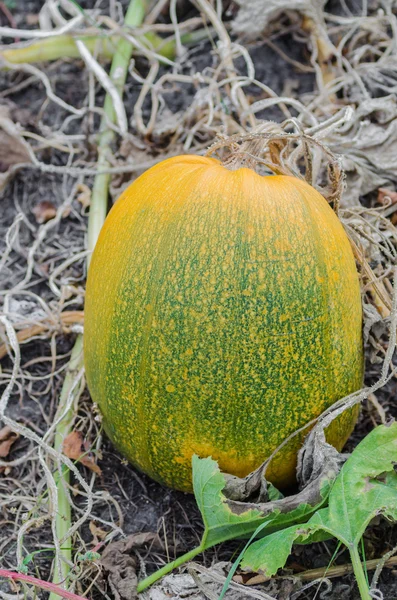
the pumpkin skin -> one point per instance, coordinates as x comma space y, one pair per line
223, 312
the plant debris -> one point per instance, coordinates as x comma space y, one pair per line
14, 151
7, 439
76, 448
120, 563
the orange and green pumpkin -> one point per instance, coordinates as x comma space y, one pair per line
223, 312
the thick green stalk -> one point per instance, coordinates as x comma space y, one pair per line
148, 581
63, 516
359, 573
118, 73
61, 46
64, 46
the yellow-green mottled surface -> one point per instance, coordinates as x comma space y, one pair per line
223, 312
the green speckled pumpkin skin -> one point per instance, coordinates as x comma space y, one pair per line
223, 312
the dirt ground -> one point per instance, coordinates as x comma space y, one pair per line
125, 501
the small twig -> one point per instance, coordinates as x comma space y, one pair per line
379, 293
107, 83
381, 411
340, 570
386, 561
67, 320
8, 14
37, 33
156, 12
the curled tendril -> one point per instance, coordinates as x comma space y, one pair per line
271, 148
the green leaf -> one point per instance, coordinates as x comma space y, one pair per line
219, 521
28, 558
273, 492
365, 487
225, 520
269, 554
238, 559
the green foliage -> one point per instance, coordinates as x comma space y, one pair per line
365, 487
23, 567
89, 556
221, 521
224, 521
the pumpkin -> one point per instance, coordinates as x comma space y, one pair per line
223, 313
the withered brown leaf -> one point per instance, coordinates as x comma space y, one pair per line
7, 439
75, 448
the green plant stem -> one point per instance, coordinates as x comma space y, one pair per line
148, 581
63, 516
53, 48
118, 73
359, 573
64, 46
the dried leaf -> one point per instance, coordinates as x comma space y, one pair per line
44, 211
7, 439
75, 448
14, 151
97, 533
315, 458
254, 16
84, 195
15, 113
11, 151
367, 144
201, 583
120, 566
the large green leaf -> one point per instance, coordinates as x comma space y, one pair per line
225, 520
365, 487
220, 522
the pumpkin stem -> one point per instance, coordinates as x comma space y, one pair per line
283, 152
253, 148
